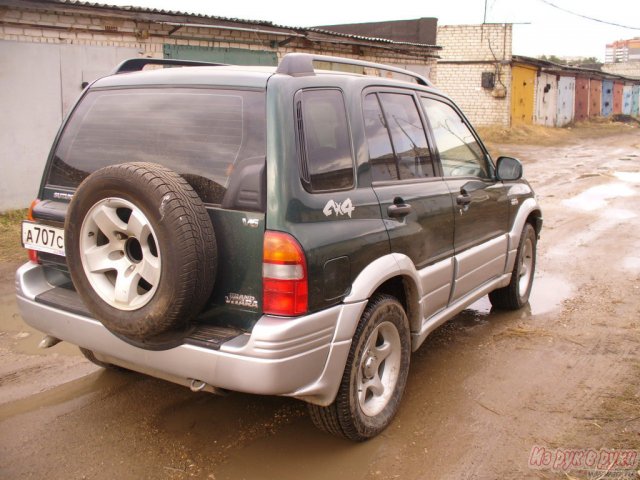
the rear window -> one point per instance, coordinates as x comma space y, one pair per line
201, 134
323, 140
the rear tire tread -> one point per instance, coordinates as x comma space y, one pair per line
337, 418
191, 232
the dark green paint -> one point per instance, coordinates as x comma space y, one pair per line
337, 246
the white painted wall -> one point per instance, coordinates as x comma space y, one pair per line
39, 83
31, 114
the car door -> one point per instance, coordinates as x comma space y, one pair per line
480, 200
415, 201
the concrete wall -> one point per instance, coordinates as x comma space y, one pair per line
39, 83
32, 111
628, 69
48, 50
467, 52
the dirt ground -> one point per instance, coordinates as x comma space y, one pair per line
483, 391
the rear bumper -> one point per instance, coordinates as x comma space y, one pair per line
302, 357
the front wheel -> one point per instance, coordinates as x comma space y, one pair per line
515, 295
375, 374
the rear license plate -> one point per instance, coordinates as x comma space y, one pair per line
43, 238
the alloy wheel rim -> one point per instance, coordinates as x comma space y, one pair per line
379, 369
526, 267
120, 254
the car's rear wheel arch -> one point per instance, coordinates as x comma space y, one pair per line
404, 289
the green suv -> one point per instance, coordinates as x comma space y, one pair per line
294, 231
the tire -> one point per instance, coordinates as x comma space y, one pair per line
141, 251
361, 413
89, 355
516, 295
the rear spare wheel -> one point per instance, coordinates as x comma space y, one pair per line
141, 251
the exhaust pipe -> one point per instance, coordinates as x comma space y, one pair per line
48, 342
200, 386
197, 385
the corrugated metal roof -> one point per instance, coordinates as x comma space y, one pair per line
132, 8
556, 67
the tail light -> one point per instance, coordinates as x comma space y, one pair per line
284, 275
33, 255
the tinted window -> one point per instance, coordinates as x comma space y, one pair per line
407, 134
323, 139
381, 156
397, 142
201, 134
460, 153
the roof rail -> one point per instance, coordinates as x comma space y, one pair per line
137, 64
301, 64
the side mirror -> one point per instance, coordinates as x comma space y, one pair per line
509, 169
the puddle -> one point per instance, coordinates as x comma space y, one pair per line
480, 308
597, 197
70, 391
475, 314
620, 214
548, 292
611, 219
630, 177
631, 264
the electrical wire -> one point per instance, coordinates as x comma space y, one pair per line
587, 17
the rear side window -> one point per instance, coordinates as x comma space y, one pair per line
324, 145
201, 134
381, 155
460, 154
398, 148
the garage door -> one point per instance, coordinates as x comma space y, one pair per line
234, 56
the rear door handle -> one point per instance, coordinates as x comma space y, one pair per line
463, 199
398, 210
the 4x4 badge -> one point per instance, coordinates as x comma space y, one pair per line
344, 208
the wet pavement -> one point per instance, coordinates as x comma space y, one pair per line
482, 390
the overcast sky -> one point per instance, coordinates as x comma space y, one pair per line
540, 28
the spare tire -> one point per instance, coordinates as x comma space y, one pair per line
141, 251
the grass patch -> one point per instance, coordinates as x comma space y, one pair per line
10, 243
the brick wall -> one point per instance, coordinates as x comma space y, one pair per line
50, 50
467, 52
108, 28
490, 42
